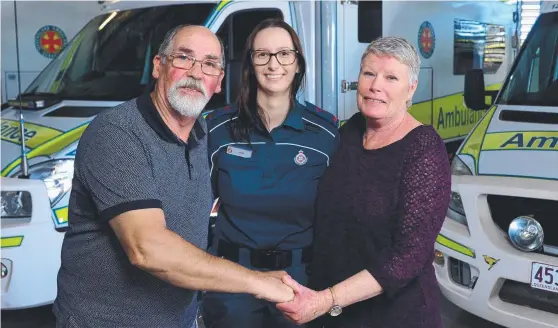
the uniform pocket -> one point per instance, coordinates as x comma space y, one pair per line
237, 159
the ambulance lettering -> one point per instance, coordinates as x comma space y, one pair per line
34, 134
10, 132
457, 117
519, 141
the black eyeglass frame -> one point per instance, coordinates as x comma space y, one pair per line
271, 54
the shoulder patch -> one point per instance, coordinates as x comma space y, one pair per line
219, 112
322, 113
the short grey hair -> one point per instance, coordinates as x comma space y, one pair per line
166, 46
398, 48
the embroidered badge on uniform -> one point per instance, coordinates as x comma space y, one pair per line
300, 158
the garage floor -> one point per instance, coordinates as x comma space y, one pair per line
452, 317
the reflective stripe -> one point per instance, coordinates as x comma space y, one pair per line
311, 122
213, 16
35, 134
69, 56
521, 140
448, 114
218, 125
444, 241
472, 145
50, 147
12, 241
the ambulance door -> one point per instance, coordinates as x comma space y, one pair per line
233, 22
359, 22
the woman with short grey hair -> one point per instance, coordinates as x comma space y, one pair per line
398, 48
380, 207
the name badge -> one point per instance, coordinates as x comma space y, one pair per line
236, 151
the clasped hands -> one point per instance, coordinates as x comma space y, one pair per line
298, 303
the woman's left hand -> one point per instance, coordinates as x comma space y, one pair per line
307, 304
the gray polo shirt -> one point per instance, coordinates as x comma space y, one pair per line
128, 159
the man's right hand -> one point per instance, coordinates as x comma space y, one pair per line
270, 287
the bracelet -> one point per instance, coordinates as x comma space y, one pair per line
332, 296
335, 308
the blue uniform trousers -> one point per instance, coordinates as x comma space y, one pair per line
225, 310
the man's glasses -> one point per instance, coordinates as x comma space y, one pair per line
208, 66
284, 57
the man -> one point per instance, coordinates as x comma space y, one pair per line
140, 203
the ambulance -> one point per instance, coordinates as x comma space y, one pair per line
110, 61
33, 37
497, 253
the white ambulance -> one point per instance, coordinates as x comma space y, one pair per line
35, 36
497, 253
110, 61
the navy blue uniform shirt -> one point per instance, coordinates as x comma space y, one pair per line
267, 190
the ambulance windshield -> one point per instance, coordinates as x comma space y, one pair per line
111, 57
534, 79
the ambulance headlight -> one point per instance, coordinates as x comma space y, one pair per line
459, 168
57, 176
456, 211
526, 233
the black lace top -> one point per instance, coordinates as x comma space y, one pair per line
381, 210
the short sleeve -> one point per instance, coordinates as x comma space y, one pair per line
116, 171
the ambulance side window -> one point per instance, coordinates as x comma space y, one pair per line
533, 85
478, 45
369, 21
234, 33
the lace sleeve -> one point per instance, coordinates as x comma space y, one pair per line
424, 199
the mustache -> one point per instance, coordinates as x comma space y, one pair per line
192, 84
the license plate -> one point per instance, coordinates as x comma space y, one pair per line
544, 276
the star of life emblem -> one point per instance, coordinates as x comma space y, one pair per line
300, 158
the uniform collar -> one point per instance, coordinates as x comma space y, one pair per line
155, 121
294, 117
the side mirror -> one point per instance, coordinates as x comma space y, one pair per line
474, 93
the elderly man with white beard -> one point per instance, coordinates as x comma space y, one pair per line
134, 254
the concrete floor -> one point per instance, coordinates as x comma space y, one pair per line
452, 316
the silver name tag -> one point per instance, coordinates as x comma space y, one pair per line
235, 151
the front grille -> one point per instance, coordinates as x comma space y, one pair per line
506, 208
522, 294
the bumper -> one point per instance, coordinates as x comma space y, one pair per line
30, 251
499, 289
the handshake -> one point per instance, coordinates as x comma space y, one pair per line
298, 303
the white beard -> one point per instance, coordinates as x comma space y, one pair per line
189, 106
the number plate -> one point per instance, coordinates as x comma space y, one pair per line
544, 276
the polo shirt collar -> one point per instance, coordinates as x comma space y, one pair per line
155, 121
293, 119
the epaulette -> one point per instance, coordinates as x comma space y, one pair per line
228, 111
322, 113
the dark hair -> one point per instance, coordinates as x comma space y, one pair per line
249, 113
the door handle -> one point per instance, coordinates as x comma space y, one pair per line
348, 86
